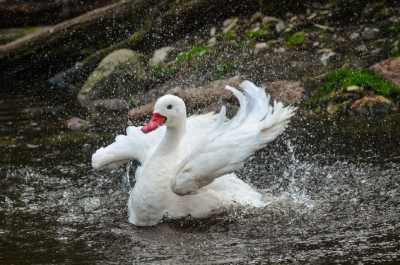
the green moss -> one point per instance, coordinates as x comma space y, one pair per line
133, 100
228, 36
223, 68
157, 71
339, 107
162, 71
194, 52
344, 78
297, 38
340, 79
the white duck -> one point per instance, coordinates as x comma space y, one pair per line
186, 165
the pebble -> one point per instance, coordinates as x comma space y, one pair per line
270, 20
370, 33
280, 26
361, 48
213, 30
312, 16
354, 36
262, 46
352, 88
212, 42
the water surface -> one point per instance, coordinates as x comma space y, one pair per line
333, 187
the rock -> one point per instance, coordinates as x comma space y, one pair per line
112, 104
326, 57
370, 33
270, 20
211, 42
341, 39
353, 88
312, 16
213, 30
72, 79
76, 124
354, 36
119, 75
256, 16
371, 106
207, 98
262, 46
257, 28
361, 48
331, 108
279, 50
230, 24
396, 46
280, 26
340, 96
160, 55
390, 69
288, 92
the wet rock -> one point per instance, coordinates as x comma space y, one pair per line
112, 104
327, 55
207, 98
120, 75
331, 108
279, 50
160, 55
353, 88
354, 36
341, 97
312, 16
262, 46
288, 92
256, 16
341, 39
280, 26
390, 69
370, 33
361, 48
371, 106
270, 20
213, 30
72, 79
212, 42
230, 24
76, 124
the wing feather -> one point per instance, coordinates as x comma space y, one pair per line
228, 144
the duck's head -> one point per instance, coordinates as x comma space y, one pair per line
169, 110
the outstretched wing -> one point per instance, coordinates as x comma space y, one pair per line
135, 145
228, 144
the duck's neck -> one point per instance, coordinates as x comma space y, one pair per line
172, 139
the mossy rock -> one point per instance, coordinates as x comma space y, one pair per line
372, 106
119, 75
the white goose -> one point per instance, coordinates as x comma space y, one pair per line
186, 165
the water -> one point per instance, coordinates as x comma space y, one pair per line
333, 189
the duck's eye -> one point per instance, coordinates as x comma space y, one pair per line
169, 107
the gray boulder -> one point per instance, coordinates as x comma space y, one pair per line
120, 75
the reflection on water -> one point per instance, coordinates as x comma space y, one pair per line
332, 186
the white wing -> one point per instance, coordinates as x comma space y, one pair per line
135, 145
228, 144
